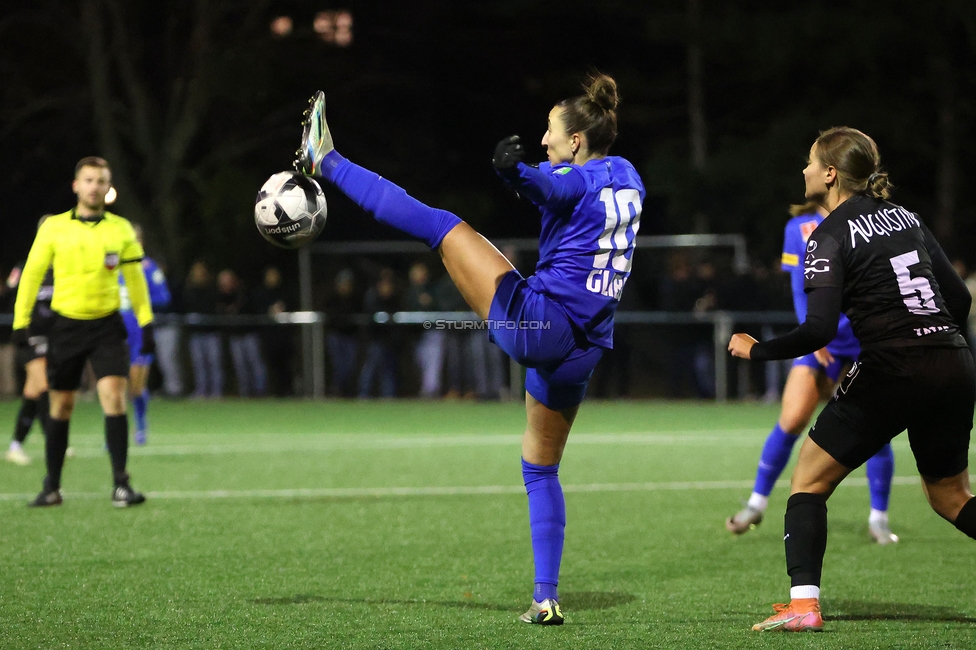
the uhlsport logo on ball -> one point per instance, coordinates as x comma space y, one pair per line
290, 210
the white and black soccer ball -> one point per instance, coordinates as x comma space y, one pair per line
290, 210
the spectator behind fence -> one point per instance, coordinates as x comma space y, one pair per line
455, 355
343, 337
429, 352
168, 334
276, 340
680, 291
245, 347
200, 298
379, 367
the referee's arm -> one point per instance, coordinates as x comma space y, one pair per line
135, 282
38, 262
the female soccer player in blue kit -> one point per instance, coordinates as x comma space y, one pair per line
810, 378
140, 361
556, 322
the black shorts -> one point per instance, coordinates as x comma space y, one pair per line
72, 342
35, 348
934, 402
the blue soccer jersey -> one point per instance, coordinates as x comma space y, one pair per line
798, 230
159, 296
590, 218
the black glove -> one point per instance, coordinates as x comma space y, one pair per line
19, 337
508, 153
148, 340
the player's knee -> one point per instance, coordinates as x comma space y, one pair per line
793, 423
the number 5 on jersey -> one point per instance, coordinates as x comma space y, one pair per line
917, 293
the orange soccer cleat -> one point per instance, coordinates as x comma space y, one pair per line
801, 615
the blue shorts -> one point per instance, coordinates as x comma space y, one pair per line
536, 332
832, 371
134, 338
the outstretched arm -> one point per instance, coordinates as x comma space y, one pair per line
820, 327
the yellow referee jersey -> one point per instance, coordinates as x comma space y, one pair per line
87, 258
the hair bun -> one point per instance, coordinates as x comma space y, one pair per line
602, 91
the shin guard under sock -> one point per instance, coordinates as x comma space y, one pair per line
775, 455
547, 520
880, 469
55, 445
387, 202
806, 537
117, 439
25, 419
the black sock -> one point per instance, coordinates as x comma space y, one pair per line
117, 439
25, 418
54, 448
44, 411
806, 537
966, 519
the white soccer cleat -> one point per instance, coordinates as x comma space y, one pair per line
17, 456
882, 533
547, 612
744, 520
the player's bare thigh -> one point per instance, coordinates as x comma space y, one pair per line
475, 265
816, 472
546, 432
800, 398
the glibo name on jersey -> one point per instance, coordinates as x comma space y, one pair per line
883, 222
606, 283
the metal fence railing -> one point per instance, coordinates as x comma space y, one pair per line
313, 326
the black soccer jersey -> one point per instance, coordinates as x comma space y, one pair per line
881, 255
42, 316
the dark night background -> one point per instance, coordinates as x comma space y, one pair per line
196, 103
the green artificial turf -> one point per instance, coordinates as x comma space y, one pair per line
293, 524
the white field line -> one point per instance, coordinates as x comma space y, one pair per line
311, 443
432, 491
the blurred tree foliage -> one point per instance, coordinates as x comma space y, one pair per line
195, 104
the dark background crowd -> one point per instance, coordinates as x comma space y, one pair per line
196, 104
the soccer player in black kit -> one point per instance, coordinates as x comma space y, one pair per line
879, 264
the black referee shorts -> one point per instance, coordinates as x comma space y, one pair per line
72, 342
933, 400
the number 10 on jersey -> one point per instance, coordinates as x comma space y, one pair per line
616, 245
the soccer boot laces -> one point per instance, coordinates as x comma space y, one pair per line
316, 138
744, 520
547, 612
801, 615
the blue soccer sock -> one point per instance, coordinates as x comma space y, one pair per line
387, 202
547, 520
775, 455
881, 467
141, 404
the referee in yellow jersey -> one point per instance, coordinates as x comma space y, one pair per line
87, 248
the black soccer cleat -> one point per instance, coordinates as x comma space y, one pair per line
124, 496
49, 496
